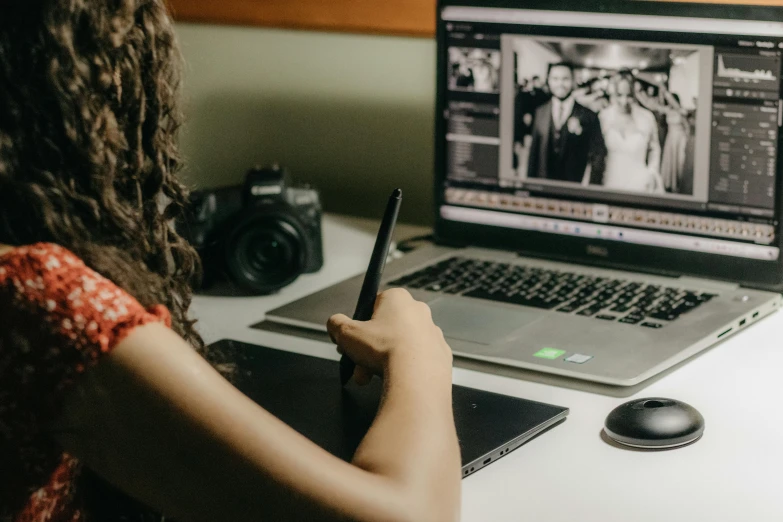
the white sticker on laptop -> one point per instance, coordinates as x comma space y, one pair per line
578, 358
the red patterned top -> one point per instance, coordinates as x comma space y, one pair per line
58, 318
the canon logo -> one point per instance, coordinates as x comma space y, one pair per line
598, 251
261, 190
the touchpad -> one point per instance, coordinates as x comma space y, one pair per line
476, 322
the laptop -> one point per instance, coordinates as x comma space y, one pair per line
607, 185
306, 393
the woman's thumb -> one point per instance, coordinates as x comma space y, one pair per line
343, 330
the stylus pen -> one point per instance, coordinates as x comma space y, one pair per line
372, 279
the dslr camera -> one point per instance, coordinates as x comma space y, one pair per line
259, 237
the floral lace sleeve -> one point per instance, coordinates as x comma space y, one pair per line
58, 318
84, 314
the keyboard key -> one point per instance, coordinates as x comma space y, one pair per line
535, 303
459, 288
421, 283
632, 319
480, 293
664, 316
512, 299
588, 312
606, 317
655, 326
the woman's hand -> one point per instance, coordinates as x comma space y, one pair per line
401, 330
655, 183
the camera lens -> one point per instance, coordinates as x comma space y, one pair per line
268, 253
265, 253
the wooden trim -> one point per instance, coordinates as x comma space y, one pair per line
395, 17
398, 17
735, 2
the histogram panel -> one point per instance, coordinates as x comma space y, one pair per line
736, 70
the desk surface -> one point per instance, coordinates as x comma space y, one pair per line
735, 473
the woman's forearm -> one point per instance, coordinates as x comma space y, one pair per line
158, 422
413, 441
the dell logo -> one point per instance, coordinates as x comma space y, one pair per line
597, 251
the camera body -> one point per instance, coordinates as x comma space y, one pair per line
259, 237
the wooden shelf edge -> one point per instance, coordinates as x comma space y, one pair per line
299, 26
397, 18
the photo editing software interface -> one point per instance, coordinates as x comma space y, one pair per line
629, 128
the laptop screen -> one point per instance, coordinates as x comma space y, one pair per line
629, 128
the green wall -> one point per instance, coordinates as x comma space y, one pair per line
351, 115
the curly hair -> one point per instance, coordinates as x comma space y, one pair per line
89, 117
88, 141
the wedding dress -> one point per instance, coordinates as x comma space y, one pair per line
633, 152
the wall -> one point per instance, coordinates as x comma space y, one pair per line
351, 115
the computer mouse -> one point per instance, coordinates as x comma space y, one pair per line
654, 424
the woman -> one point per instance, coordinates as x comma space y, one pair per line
485, 72
673, 161
631, 135
100, 401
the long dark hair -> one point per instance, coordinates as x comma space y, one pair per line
89, 116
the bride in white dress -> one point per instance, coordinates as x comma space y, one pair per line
633, 162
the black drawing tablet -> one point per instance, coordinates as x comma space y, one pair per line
305, 393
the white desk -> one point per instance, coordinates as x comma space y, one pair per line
735, 473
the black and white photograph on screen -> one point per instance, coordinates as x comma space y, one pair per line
474, 70
617, 116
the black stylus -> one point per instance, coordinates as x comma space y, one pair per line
372, 279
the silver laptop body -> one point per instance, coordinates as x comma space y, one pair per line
607, 185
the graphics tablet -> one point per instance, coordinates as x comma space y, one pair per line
305, 393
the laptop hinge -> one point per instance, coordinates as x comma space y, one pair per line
709, 283
599, 264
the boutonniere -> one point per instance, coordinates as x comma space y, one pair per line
574, 126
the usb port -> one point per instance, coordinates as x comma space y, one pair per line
743, 322
488, 461
756, 315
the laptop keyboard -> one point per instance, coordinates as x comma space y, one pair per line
602, 298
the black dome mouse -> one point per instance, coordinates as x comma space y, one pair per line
654, 424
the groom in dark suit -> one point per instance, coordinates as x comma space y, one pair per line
568, 144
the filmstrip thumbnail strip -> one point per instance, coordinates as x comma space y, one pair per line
600, 213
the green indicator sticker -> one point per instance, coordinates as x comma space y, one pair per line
549, 353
